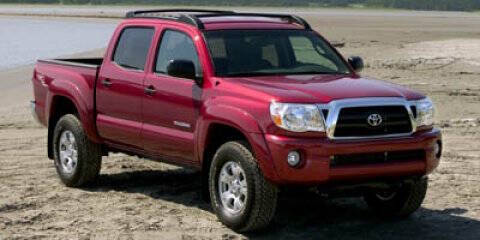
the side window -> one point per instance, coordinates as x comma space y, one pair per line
306, 53
132, 47
176, 46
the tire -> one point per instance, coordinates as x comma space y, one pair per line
402, 202
86, 168
260, 198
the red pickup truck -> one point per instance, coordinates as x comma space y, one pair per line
257, 102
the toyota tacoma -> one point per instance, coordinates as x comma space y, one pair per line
258, 102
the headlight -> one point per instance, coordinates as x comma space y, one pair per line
425, 112
297, 117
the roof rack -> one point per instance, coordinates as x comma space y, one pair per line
192, 16
177, 14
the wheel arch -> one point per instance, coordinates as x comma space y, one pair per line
60, 105
219, 133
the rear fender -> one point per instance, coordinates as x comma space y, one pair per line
81, 95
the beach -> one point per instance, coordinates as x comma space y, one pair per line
433, 52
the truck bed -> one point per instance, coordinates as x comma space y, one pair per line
66, 77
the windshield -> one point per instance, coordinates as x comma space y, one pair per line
237, 53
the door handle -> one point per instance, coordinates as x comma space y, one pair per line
150, 90
106, 82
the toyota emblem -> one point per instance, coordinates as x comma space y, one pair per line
374, 120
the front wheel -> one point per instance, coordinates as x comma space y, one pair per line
400, 202
76, 158
241, 197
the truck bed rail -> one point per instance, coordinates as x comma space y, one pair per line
77, 62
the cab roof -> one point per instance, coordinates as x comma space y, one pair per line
213, 19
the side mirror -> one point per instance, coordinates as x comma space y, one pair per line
183, 69
356, 63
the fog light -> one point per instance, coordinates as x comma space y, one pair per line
293, 158
437, 149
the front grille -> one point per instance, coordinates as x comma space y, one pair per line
376, 158
352, 121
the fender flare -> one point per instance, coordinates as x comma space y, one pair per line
82, 96
244, 123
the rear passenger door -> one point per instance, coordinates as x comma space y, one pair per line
170, 113
120, 87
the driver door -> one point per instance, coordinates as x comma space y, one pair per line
171, 110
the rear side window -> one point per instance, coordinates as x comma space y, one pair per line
176, 45
132, 47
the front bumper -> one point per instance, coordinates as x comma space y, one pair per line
316, 155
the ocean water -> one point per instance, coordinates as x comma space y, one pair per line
24, 40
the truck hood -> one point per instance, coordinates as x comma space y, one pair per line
322, 88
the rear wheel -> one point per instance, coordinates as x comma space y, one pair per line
77, 159
400, 202
240, 196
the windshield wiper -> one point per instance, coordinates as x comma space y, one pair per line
253, 74
315, 72
250, 74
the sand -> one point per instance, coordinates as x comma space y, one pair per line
438, 54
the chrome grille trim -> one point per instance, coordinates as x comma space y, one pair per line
335, 106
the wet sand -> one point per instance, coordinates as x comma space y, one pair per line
436, 53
